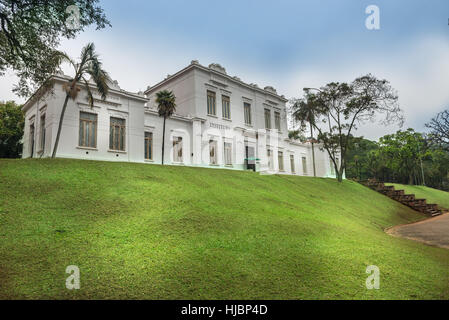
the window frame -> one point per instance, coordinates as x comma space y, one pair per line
292, 163
270, 158
277, 120
304, 165
267, 116
93, 124
226, 104
121, 134
178, 152
148, 145
227, 153
215, 156
42, 132
247, 113
32, 141
281, 161
211, 97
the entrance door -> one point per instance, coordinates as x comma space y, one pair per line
250, 158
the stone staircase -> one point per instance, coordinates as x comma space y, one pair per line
407, 199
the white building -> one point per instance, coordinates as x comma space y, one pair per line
220, 122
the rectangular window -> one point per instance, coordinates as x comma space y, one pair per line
267, 119
148, 145
304, 165
88, 130
281, 160
31, 140
117, 134
270, 159
213, 151
177, 149
292, 163
247, 113
211, 110
277, 121
42, 137
226, 104
228, 153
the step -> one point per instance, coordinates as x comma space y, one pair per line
409, 200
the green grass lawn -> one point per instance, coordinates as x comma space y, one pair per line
432, 195
150, 232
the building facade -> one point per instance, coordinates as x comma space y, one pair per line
220, 122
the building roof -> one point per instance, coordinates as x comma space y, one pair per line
217, 69
113, 88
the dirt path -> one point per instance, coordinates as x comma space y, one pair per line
433, 231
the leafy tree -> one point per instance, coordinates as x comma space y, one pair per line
440, 129
30, 32
11, 129
304, 113
359, 163
339, 108
89, 65
296, 135
403, 152
166, 102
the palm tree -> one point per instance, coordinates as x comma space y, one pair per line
166, 107
89, 65
304, 113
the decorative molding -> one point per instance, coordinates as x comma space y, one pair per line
270, 89
226, 91
217, 67
271, 102
210, 86
86, 107
118, 113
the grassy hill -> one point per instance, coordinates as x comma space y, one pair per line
432, 195
153, 232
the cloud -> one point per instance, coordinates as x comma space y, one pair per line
419, 71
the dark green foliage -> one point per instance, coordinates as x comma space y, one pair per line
30, 32
166, 104
406, 157
11, 130
358, 160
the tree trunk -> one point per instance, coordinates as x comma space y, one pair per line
339, 171
163, 141
313, 150
64, 107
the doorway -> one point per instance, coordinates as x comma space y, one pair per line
250, 158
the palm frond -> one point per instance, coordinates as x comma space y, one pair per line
100, 77
90, 96
166, 101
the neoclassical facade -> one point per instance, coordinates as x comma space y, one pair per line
220, 122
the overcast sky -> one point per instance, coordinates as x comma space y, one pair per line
286, 44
